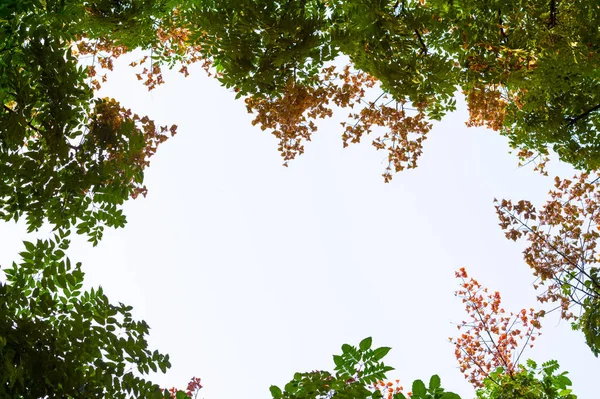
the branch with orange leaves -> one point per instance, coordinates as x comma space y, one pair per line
291, 116
562, 247
171, 46
567, 258
493, 337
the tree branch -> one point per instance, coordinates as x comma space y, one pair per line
6, 48
553, 247
572, 121
36, 129
26, 121
552, 22
423, 46
487, 331
502, 31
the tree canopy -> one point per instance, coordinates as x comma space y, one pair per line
66, 157
488, 352
59, 341
528, 70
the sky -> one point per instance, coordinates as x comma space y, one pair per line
247, 271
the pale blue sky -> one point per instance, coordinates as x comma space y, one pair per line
248, 272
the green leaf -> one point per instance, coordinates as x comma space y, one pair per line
450, 395
62, 281
418, 389
275, 392
338, 360
562, 381
29, 246
380, 353
434, 383
181, 395
365, 344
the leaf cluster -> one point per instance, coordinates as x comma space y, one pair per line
562, 239
530, 382
259, 45
66, 158
359, 373
492, 337
80, 343
527, 70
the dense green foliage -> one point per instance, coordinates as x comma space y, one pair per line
259, 45
528, 383
590, 320
58, 340
529, 69
358, 373
361, 373
70, 160
66, 158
